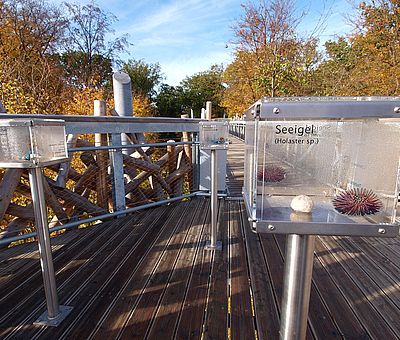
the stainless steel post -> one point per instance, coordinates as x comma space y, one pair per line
297, 285
54, 314
46, 258
123, 100
214, 244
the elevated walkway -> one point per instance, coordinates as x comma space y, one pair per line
147, 276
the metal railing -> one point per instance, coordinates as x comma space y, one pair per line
107, 179
237, 128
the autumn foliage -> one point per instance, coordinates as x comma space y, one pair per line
49, 65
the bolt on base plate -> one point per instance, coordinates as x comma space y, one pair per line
218, 246
54, 322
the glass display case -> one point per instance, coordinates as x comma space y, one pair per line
213, 135
28, 143
323, 165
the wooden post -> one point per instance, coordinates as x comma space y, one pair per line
7, 187
172, 163
65, 167
209, 110
188, 154
100, 110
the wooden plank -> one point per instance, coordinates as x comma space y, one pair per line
216, 320
102, 189
141, 164
64, 168
53, 203
74, 199
349, 326
21, 211
126, 301
88, 179
25, 289
242, 322
137, 324
384, 258
81, 279
171, 304
190, 324
388, 313
172, 164
16, 260
14, 227
265, 302
8, 185
369, 317
109, 285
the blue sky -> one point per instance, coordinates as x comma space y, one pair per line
188, 36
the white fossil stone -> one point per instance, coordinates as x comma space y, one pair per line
302, 203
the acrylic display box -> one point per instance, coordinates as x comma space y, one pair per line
29, 143
341, 153
213, 135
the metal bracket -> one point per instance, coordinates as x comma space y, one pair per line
218, 246
44, 320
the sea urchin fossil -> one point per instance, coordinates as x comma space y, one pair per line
271, 173
357, 201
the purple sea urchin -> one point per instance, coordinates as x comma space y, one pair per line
357, 201
271, 173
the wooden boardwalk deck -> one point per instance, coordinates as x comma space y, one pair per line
147, 276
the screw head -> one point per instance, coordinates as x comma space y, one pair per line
382, 231
275, 110
271, 227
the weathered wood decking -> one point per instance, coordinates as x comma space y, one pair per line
147, 275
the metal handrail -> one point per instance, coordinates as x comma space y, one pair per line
114, 126
71, 225
75, 124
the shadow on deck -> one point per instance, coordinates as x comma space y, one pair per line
147, 276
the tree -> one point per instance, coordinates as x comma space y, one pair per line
74, 64
366, 62
144, 77
270, 58
87, 47
170, 101
30, 32
377, 41
333, 74
202, 87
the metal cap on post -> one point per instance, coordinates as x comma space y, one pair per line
122, 94
123, 99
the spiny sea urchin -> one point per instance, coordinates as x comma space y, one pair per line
357, 201
271, 173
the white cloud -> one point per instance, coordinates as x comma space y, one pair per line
178, 69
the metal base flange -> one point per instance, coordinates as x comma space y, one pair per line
218, 246
54, 322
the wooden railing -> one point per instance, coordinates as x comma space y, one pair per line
104, 178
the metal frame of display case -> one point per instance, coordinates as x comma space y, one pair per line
32, 160
311, 109
301, 235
